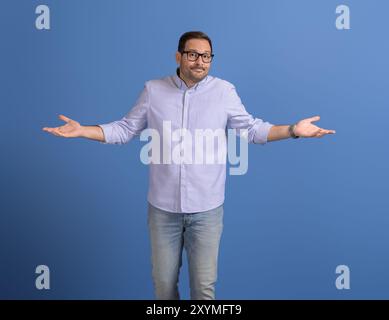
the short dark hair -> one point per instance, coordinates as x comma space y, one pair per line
192, 35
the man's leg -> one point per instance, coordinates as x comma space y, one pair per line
201, 240
166, 251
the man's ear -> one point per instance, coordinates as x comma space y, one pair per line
178, 58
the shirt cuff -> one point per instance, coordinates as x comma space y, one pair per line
107, 131
261, 133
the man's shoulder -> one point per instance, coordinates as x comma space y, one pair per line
221, 82
159, 82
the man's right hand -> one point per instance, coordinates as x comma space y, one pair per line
72, 129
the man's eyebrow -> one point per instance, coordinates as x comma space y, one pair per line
194, 50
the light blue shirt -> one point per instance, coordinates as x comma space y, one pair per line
212, 103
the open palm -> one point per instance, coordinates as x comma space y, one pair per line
305, 128
71, 129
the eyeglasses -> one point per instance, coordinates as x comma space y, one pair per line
193, 56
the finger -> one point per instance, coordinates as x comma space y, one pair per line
57, 132
48, 129
325, 131
316, 132
64, 118
54, 131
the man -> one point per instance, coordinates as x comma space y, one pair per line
186, 200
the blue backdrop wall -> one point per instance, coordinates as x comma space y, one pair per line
304, 207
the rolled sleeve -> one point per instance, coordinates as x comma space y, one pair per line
239, 118
107, 131
261, 132
123, 130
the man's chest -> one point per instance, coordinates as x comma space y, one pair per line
190, 110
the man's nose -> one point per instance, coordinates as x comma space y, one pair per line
199, 62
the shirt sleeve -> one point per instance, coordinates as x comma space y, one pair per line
132, 124
238, 118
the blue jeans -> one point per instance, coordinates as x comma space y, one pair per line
199, 233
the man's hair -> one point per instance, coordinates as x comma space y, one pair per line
192, 35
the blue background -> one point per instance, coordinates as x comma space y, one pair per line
304, 207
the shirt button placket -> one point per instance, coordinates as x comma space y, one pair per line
184, 125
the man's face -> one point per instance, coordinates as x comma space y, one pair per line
194, 71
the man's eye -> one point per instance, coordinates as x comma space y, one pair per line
192, 54
206, 56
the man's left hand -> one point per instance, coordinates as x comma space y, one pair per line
306, 129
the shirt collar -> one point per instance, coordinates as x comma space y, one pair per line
182, 85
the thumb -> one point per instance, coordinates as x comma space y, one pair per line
315, 118
66, 119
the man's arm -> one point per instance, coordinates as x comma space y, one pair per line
278, 132
93, 133
115, 132
304, 128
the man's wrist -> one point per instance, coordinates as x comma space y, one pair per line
291, 131
82, 132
